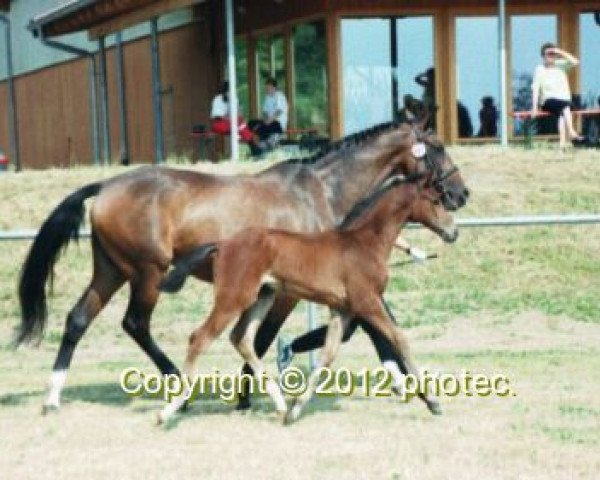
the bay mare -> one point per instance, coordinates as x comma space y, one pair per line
143, 220
345, 269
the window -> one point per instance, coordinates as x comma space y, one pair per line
477, 76
527, 34
590, 60
415, 66
383, 78
367, 73
270, 62
310, 76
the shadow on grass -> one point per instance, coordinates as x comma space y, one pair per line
102, 393
110, 394
262, 409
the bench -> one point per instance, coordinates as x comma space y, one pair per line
210, 144
529, 121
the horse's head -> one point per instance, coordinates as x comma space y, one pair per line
418, 151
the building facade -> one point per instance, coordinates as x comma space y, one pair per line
344, 65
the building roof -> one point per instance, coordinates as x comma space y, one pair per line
77, 15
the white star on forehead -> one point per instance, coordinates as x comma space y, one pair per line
418, 150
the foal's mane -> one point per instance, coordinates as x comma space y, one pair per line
364, 206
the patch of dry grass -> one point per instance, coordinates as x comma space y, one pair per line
499, 301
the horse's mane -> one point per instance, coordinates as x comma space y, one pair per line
365, 205
353, 140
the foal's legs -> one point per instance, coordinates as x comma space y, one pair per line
243, 336
106, 280
267, 331
200, 339
326, 357
385, 350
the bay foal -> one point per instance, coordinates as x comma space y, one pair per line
345, 269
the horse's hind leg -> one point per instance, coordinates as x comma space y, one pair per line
335, 332
380, 320
106, 280
243, 336
144, 295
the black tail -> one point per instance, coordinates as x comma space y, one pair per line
175, 279
59, 228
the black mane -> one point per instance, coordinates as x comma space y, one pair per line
352, 140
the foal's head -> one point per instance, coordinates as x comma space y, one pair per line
429, 210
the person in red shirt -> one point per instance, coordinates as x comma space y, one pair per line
219, 116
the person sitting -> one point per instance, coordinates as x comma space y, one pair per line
550, 88
488, 117
220, 122
268, 130
465, 125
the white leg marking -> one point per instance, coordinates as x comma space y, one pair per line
395, 372
57, 382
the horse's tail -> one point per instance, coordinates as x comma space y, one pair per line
185, 265
54, 235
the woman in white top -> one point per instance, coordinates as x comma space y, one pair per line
551, 89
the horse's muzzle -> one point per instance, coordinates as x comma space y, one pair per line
453, 200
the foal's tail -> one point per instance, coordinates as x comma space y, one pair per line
54, 235
184, 266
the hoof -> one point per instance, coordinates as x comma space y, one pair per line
435, 408
162, 419
49, 408
292, 414
159, 419
289, 418
243, 405
282, 416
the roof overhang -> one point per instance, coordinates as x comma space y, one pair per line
101, 17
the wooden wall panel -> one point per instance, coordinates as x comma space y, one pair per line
53, 116
53, 103
189, 80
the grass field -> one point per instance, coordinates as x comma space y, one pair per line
522, 302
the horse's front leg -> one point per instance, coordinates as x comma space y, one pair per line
335, 332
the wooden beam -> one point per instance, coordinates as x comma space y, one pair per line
334, 83
252, 76
290, 75
137, 16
